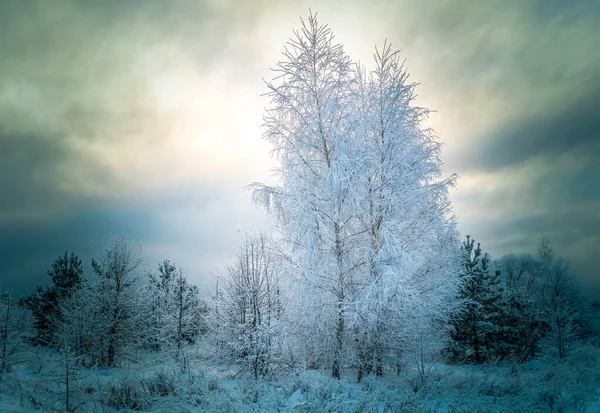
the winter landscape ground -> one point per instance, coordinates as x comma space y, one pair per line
360, 296
148, 385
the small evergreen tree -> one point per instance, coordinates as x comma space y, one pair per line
66, 276
520, 329
476, 329
186, 318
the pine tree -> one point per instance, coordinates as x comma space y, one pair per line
161, 288
187, 318
516, 336
476, 334
66, 276
176, 312
522, 327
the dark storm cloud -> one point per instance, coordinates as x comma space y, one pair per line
29, 248
575, 128
29, 166
40, 178
573, 233
544, 176
518, 105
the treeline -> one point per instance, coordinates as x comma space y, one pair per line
106, 317
518, 307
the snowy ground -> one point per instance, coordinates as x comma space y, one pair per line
154, 386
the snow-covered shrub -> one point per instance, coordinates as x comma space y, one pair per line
171, 391
377, 396
569, 385
258, 395
162, 388
316, 385
38, 392
315, 392
125, 393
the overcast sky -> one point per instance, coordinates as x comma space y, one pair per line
142, 117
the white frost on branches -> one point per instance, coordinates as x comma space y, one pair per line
361, 209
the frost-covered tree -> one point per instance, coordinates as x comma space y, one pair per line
521, 274
563, 328
362, 214
407, 231
13, 321
589, 321
120, 291
66, 276
161, 288
78, 327
187, 318
244, 310
176, 312
247, 308
310, 127
542, 315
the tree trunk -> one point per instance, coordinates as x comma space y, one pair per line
339, 333
339, 342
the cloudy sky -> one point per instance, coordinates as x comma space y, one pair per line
142, 117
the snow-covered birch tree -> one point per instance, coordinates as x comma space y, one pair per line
316, 202
409, 241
